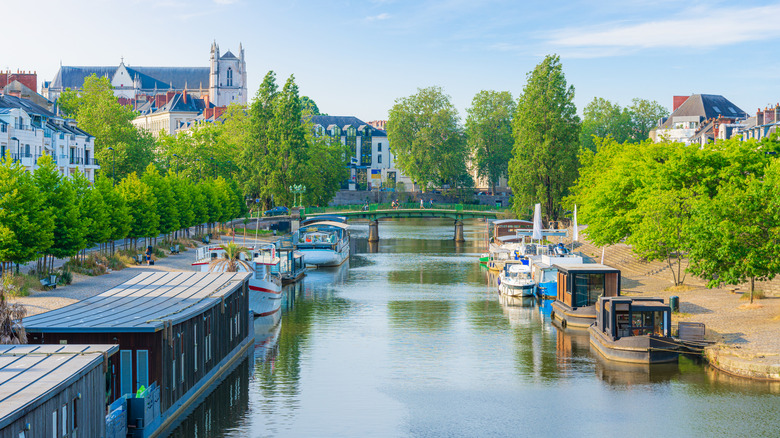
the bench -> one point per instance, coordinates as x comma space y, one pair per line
174, 249
206, 240
50, 282
140, 259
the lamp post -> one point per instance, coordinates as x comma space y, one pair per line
113, 166
177, 163
297, 189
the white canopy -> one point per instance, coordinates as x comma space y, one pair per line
537, 231
576, 232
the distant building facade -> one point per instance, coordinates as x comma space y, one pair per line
29, 131
171, 112
691, 114
763, 124
371, 161
223, 82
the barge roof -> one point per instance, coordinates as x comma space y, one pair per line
141, 304
32, 374
586, 268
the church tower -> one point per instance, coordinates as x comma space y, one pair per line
227, 79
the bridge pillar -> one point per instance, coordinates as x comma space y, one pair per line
373, 231
459, 231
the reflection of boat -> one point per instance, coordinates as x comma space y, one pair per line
265, 284
579, 286
266, 340
320, 277
629, 374
515, 279
484, 258
637, 330
518, 310
324, 243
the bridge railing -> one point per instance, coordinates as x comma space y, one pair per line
404, 206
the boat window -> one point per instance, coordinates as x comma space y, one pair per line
641, 323
587, 289
142, 368
125, 372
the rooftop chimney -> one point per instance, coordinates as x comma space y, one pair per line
677, 101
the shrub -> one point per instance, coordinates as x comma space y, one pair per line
757, 295
93, 265
159, 252
65, 277
19, 285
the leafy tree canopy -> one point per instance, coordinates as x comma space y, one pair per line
489, 134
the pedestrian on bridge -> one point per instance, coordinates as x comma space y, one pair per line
422, 203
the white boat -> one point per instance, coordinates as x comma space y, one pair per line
265, 284
515, 279
323, 244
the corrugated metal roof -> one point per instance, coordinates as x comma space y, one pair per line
32, 374
140, 304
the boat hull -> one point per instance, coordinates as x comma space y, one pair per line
516, 290
578, 318
325, 257
547, 290
265, 300
634, 349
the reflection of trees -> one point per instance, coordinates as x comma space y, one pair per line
223, 409
424, 315
486, 316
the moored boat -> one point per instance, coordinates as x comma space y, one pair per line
265, 283
578, 288
634, 330
515, 279
323, 244
545, 274
292, 266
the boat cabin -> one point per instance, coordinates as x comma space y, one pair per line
505, 230
53, 390
292, 266
175, 331
325, 234
620, 317
581, 285
545, 274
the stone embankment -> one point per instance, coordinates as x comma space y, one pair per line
746, 336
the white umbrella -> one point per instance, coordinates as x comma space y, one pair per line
537, 231
576, 233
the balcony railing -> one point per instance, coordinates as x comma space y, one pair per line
92, 162
76, 160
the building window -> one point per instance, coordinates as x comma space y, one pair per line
125, 372
54, 424
379, 158
379, 147
365, 147
230, 77
142, 368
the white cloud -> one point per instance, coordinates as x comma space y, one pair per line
225, 2
701, 28
382, 16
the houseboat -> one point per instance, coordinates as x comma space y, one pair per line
265, 283
578, 289
292, 266
497, 257
545, 274
634, 330
505, 230
515, 279
323, 243
53, 390
179, 335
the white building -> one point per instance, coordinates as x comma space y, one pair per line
372, 163
28, 131
223, 81
692, 114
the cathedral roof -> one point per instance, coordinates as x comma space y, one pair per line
161, 77
228, 55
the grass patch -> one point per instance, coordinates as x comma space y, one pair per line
757, 295
681, 314
159, 252
93, 265
20, 285
748, 306
680, 288
251, 232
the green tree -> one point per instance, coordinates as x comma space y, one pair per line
546, 131
120, 218
645, 115
94, 207
59, 196
166, 205
26, 224
326, 169
182, 193
142, 205
310, 106
602, 118
428, 142
99, 113
252, 155
489, 134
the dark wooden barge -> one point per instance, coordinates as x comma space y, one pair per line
634, 330
579, 287
53, 390
179, 334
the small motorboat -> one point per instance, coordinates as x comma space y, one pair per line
515, 279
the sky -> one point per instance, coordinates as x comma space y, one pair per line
357, 57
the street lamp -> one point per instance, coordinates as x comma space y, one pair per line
298, 189
113, 166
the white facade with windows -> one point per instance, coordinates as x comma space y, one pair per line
29, 131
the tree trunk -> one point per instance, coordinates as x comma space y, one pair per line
752, 288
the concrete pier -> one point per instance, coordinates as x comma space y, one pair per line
373, 231
459, 231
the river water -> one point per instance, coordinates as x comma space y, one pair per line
410, 338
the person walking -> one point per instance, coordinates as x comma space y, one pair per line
148, 255
422, 203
